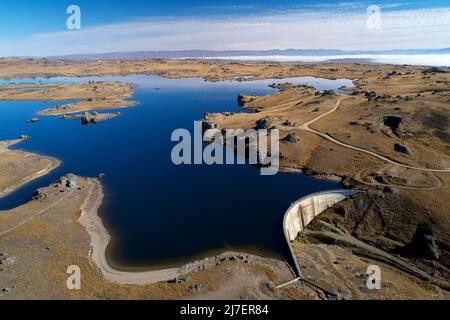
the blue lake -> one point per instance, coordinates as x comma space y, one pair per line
160, 214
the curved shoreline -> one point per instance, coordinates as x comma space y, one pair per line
53, 164
100, 239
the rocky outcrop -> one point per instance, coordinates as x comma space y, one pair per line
370, 95
263, 124
68, 181
196, 288
394, 123
34, 120
402, 148
423, 245
39, 195
291, 137
244, 99
433, 70
91, 117
430, 247
6, 261
87, 118
288, 123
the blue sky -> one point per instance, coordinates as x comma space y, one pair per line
33, 27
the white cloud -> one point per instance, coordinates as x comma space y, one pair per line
406, 29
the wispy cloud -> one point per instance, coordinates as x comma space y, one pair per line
327, 28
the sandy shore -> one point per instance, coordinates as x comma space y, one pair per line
100, 240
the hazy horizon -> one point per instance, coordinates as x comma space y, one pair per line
111, 26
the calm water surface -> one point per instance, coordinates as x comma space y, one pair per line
158, 213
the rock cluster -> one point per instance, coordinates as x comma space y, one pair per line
6, 261
88, 118
68, 181
39, 195
370, 95
433, 70
210, 263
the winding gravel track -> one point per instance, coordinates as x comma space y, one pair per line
306, 127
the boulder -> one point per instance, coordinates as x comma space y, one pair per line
393, 122
101, 176
379, 178
370, 95
288, 123
71, 183
178, 280
402, 148
208, 126
291, 137
68, 181
263, 124
6, 261
39, 195
327, 93
34, 120
87, 118
243, 99
430, 247
196, 288
182, 280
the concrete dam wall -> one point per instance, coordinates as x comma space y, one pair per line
302, 212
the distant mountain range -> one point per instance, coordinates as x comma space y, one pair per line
138, 55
